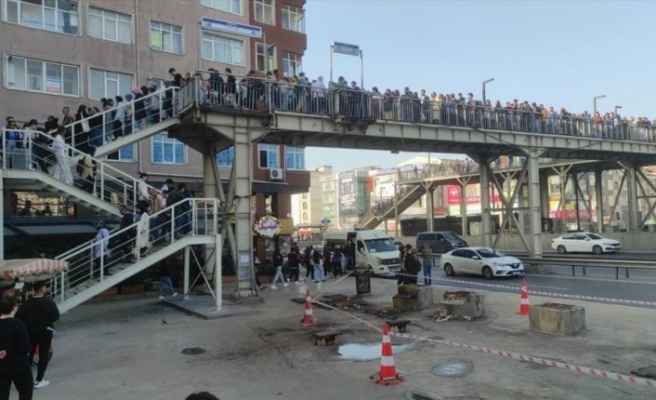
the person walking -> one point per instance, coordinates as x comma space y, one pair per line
62, 169
307, 262
143, 227
39, 315
349, 253
292, 263
101, 249
337, 262
15, 344
165, 281
319, 272
278, 261
427, 260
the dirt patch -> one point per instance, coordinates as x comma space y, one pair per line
193, 351
646, 372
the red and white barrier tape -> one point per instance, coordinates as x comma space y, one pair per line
540, 293
595, 373
537, 360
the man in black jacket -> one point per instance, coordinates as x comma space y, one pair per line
126, 240
15, 345
39, 314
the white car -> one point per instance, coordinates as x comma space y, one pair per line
585, 242
480, 260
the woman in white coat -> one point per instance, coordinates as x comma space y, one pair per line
143, 227
58, 147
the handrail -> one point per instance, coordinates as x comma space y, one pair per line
102, 128
107, 182
267, 97
165, 227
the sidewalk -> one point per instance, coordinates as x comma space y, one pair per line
132, 349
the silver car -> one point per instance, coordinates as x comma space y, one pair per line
481, 260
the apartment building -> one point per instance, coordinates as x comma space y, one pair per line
64, 53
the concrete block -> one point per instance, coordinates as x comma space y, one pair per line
422, 299
557, 319
461, 304
410, 290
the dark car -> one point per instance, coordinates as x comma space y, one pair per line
440, 242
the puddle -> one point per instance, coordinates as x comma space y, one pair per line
364, 352
454, 368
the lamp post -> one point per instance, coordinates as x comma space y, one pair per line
485, 82
594, 102
616, 109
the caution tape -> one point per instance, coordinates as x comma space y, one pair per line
593, 372
541, 293
537, 360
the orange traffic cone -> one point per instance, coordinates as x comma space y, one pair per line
524, 304
387, 375
308, 318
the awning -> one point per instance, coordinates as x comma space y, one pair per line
47, 230
22, 267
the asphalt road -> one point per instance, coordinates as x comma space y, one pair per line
597, 286
635, 256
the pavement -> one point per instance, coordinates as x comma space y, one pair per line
134, 350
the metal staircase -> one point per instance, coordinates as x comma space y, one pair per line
376, 216
23, 169
107, 136
186, 223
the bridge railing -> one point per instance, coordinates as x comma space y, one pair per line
267, 96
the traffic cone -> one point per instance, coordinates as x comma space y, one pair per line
387, 375
308, 318
524, 304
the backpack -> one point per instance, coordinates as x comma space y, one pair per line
79, 168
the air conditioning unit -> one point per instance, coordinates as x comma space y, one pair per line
276, 174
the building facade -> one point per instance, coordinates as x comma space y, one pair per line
66, 53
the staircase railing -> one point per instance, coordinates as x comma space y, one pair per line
106, 126
33, 152
91, 263
403, 191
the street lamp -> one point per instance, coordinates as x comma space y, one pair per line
594, 102
617, 108
485, 82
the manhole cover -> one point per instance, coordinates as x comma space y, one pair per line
454, 368
416, 396
646, 372
192, 351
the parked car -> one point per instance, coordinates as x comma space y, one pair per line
440, 242
585, 242
485, 261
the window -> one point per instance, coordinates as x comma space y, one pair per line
49, 15
230, 6
291, 64
305, 216
110, 25
294, 158
108, 84
166, 150
265, 11
265, 65
223, 50
305, 205
165, 37
268, 155
124, 154
226, 157
42, 76
293, 18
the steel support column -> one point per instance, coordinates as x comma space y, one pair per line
484, 168
599, 199
430, 210
241, 191
210, 190
534, 201
544, 195
632, 189
185, 291
463, 208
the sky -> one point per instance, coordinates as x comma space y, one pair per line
559, 53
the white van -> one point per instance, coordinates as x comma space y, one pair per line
375, 249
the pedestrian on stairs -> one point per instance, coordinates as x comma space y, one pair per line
126, 239
58, 147
101, 249
39, 314
143, 227
278, 261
